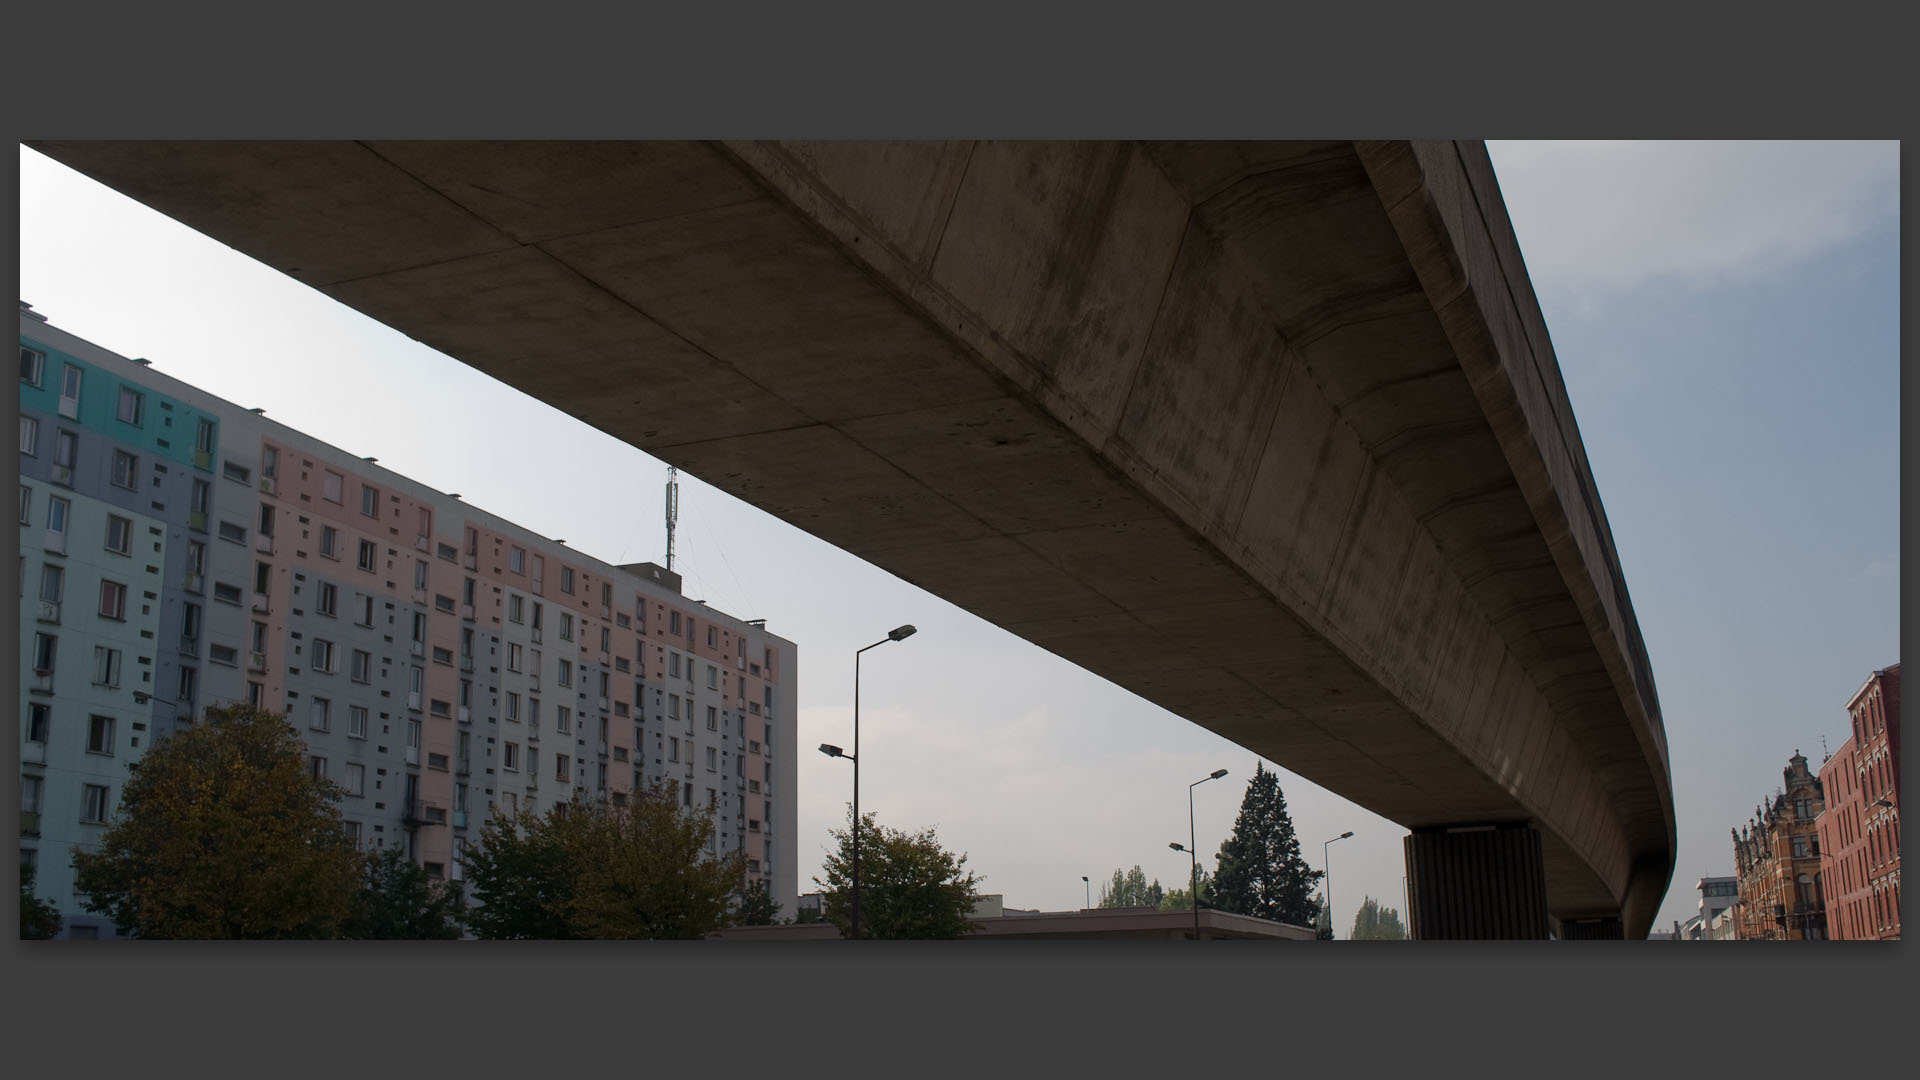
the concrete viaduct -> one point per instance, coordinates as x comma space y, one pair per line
1270, 434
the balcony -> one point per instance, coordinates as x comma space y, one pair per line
63, 475
190, 645
459, 819
603, 703
417, 648
262, 605
29, 823
42, 682
197, 520
203, 459
413, 755
56, 542
197, 584
463, 767
536, 635
257, 662
422, 543
49, 612
419, 595
466, 662
33, 753
70, 407
466, 715
268, 485
413, 700
263, 543
466, 612
418, 813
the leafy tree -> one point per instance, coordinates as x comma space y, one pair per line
1129, 888
1182, 899
606, 870
1375, 923
39, 919
1322, 919
223, 832
1260, 871
399, 899
910, 886
757, 905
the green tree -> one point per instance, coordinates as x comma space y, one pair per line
757, 906
1375, 923
39, 919
636, 869
223, 832
400, 900
1129, 888
1182, 899
1322, 918
910, 886
1260, 870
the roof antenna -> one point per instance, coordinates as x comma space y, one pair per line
673, 511
1825, 756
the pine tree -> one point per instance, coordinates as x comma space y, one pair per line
1375, 923
1260, 870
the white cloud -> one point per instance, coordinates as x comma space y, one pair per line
1602, 218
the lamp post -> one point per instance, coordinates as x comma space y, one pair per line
1089, 885
898, 633
1329, 866
1192, 850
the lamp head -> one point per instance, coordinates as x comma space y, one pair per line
1217, 774
831, 750
1344, 835
1178, 847
900, 633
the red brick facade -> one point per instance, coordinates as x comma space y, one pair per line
1777, 858
1860, 831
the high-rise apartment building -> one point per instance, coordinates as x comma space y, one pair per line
180, 551
1860, 831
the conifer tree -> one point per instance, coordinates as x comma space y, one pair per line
1260, 870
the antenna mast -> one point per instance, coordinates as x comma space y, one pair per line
673, 511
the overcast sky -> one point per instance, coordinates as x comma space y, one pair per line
1726, 318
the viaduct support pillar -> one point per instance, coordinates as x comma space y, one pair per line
1476, 881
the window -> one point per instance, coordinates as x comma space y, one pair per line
448, 552
419, 626
513, 608
329, 541
235, 471
119, 534
566, 580
517, 560
566, 626
57, 523
203, 437
368, 555
322, 655
269, 461
232, 532
26, 505
356, 722
262, 578
100, 735
673, 706
513, 656
713, 677
66, 449
510, 757
354, 778
320, 716
566, 673
369, 501
713, 758
53, 583
189, 682
29, 436
106, 666
560, 763
673, 665
330, 485
33, 365
44, 647
362, 670
266, 519
70, 382
673, 749
713, 718
563, 720
39, 719
329, 600
126, 470
363, 613
113, 600
319, 767
533, 714
227, 656
93, 803
513, 706
132, 406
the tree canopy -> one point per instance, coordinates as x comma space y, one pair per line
1375, 923
1129, 888
1182, 899
1260, 869
223, 832
589, 869
400, 900
910, 886
757, 906
39, 919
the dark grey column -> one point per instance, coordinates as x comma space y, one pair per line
1476, 881
1599, 929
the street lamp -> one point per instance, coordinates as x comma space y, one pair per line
898, 633
1192, 849
1089, 885
1329, 871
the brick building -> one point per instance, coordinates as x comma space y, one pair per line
1777, 860
1860, 831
